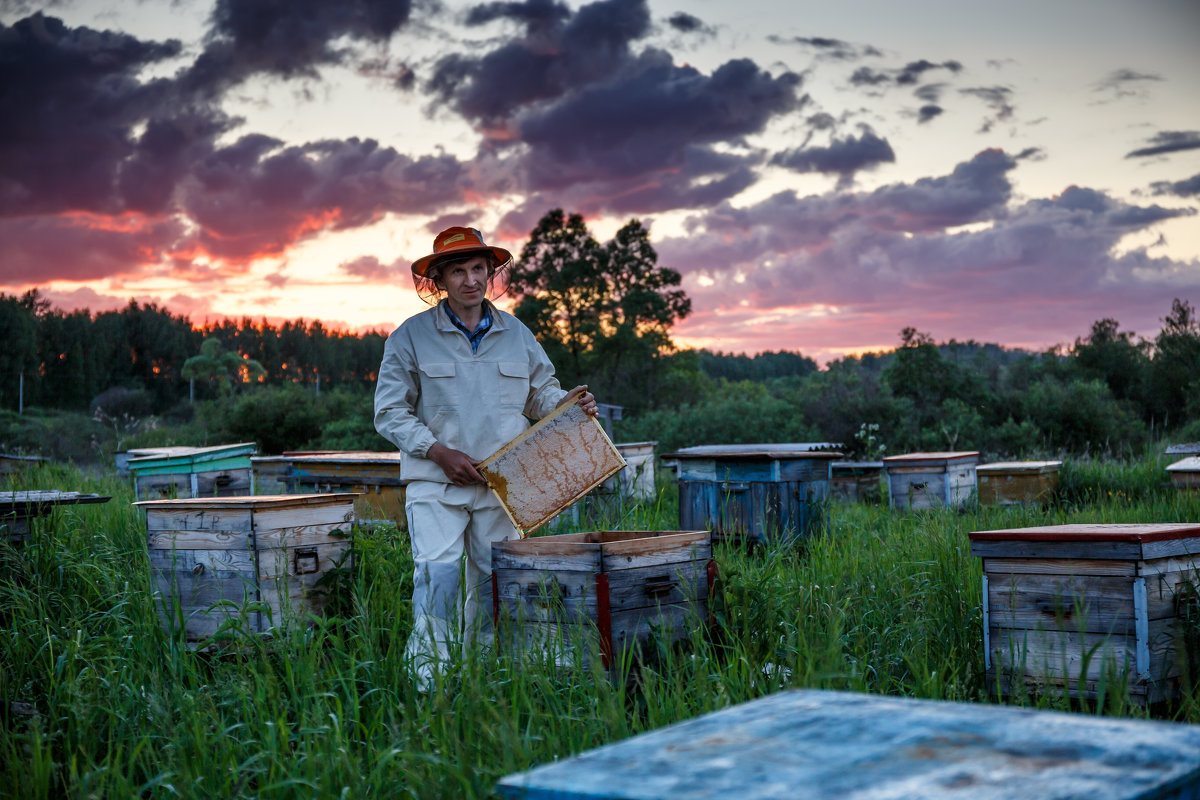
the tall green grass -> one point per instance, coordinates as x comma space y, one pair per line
98, 700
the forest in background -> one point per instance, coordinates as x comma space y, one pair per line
80, 386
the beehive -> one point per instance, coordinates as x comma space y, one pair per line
931, 480
11, 464
1067, 607
169, 472
755, 492
600, 591
375, 477
636, 478
811, 745
1017, 482
1185, 474
257, 559
856, 481
17, 509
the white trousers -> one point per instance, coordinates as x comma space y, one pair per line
446, 522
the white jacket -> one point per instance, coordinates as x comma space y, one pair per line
432, 388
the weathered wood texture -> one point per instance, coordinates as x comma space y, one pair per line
172, 472
1068, 608
856, 481
1017, 482
753, 492
375, 477
931, 480
261, 561
810, 744
18, 508
605, 592
1185, 474
555, 462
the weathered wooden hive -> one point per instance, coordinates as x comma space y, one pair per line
1017, 482
1185, 474
18, 509
931, 480
600, 591
374, 476
756, 492
811, 745
636, 478
260, 559
1066, 607
856, 481
11, 464
220, 471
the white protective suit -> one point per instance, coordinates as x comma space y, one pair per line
432, 388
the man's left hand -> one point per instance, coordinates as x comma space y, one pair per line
585, 399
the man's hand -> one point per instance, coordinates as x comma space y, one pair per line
457, 465
586, 400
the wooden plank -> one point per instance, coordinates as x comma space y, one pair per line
155, 487
1059, 656
199, 540
336, 510
551, 465
1160, 565
917, 490
1171, 548
1072, 603
222, 563
1061, 566
813, 745
1095, 532
303, 535
1105, 550
565, 557
198, 520
280, 563
225, 483
206, 600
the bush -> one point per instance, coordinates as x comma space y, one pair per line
278, 418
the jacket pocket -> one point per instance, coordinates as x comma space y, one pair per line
437, 384
513, 382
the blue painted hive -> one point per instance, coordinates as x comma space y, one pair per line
812, 745
753, 491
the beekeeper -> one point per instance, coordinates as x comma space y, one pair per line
457, 382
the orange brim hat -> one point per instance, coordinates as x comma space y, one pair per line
458, 241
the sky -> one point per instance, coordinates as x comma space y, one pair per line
821, 174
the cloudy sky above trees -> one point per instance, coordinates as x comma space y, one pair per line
822, 174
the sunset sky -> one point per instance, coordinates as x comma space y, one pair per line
822, 174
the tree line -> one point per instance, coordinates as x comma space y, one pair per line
604, 312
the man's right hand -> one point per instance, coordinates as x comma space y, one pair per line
457, 465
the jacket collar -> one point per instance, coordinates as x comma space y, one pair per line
444, 323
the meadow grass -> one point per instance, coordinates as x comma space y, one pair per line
97, 699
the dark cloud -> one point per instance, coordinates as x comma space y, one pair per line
684, 22
555, 56
287, 38
826, 48
1168, 142
370, 268
70, 101
928, 112
1123, 83
907, 75
998, 99
457, 219
1187, 187
539, 15
256, 197
900, 250
844, 157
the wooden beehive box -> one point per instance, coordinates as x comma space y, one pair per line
756, 492
636, 478
1185, 474
375, 477
1017, 482
11, 464
555, 462
604, 590
262, 558
170, 472
17, 509
931, 480
856, 481
810, 744
1068, 606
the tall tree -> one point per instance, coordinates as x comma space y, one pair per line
1175, 369
227, 368
1112, 355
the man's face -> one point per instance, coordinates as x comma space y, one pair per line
466, 283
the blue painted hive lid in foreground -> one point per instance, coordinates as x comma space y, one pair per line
809, 744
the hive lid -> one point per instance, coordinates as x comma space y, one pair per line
1020, 466
164, 456
951, 455
263, 501
41, 500
1186, 465
815, 450
548, 467
1094, 532
332, 457
1184, 449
